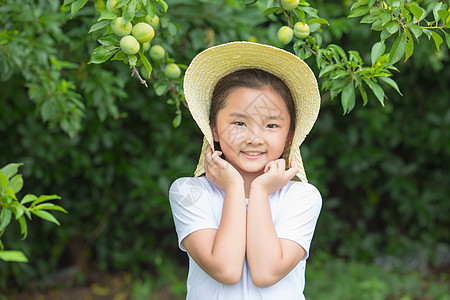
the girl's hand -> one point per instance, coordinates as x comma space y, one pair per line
220, 172
275, 176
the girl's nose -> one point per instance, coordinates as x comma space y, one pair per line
254, 135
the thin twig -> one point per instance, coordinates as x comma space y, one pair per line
135, 72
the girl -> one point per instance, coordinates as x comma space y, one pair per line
247, 218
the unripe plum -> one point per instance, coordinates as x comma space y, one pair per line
289, 4
157, 52
129, 45
172, 71
301, 30
285, 34
154, 22
143, 32
119, 28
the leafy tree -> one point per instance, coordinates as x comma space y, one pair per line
75, 112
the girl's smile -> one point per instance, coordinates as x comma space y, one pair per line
252, 129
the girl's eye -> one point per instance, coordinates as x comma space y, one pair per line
271, 126
238, 123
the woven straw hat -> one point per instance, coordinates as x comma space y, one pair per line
213, 63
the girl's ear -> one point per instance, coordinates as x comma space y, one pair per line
214, 132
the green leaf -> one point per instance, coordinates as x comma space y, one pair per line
398, 49
176, 121
3, 182
66, 2
119, 56
339, 50
418, 12
11, 169
49, 206
109, 40
99, 25
28, 198
317, 20
146, 63
354, 55
377, 50
76, 6
106, 15
358, 11
369, 19
348, 97
102, 54
443, 14
392, 27
150, 8
46, 216
326, 70
409, 47
23, 227
437, 39
447, 39
129, 11
271, 10
161, 89
415, 29
5, 218
44, 198
377, 26
436, 7
392, 83
376, 89
363, 94
310, 11
13, 255
163, 4
386, 17
16, 183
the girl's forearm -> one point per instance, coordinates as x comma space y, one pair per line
229, 243
264, 251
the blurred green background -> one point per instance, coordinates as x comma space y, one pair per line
384, 230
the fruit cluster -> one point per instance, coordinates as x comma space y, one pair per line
300, 30
134, 37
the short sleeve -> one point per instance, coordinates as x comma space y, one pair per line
298, 214
191, 207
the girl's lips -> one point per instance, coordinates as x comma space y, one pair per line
252, 154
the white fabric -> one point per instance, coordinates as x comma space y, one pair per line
197, 204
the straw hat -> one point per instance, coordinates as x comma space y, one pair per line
213, 63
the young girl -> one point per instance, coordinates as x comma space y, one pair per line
248, 216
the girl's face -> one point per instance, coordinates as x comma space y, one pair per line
252, 129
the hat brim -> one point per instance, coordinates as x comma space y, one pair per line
213, 63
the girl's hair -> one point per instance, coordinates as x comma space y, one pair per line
250, 78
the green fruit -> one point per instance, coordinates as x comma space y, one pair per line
119, 28
285, 34
154, 22
172, 71
301, 30
129, 45
111, 6
157, 52
289, 4
146, 46
143, 32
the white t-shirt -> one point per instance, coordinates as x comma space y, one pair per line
197, 204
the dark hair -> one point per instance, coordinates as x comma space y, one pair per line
250, 78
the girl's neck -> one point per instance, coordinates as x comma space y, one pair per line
248, 179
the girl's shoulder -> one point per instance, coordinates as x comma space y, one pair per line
297, 190
299, 186
192, 185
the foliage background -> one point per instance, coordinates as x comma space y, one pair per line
382, 171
